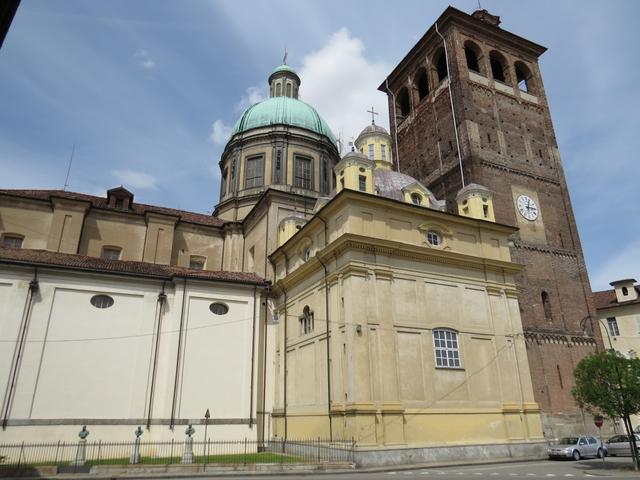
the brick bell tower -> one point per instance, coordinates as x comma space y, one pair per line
478, 110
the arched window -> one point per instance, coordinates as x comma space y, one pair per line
446, 349
441, 65
421, 83
288, 90
403, 107
625, 291
498, 67
523, 77
416, 198
278, 89
306, 321
472, 54
546, 304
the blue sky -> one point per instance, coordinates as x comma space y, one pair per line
148, 90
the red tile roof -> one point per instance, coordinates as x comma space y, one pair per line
101, 203
17, 256
608, 299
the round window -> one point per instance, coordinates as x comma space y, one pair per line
416, 198
433, 238
218, 308
101, 301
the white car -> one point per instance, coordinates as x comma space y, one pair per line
577, 448
619, 445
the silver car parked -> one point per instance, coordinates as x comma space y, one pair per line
619, 445
577, 448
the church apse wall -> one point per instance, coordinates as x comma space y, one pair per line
100, 351
425, 344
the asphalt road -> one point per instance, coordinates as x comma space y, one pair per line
548, 469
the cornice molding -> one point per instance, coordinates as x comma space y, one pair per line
506, 168
390, 248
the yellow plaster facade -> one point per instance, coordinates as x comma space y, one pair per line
378, 291
355, 172
476, 201
375, 143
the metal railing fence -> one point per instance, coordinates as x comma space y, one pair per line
79, 456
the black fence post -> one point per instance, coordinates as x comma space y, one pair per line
245, 451
55, 459
20, 454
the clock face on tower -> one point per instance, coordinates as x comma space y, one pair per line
527, 207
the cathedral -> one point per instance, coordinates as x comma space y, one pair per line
427, 289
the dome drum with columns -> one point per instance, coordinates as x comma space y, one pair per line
280, 143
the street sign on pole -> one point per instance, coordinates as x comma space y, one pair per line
598, 421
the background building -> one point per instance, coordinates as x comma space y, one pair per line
619, 319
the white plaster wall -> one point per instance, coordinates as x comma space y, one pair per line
217, 363
83, 365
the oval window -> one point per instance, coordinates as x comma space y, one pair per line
101, 301
433, 238
218, 308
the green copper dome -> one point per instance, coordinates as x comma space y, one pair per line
283, 111
283, 68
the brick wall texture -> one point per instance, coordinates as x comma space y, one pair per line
507, 143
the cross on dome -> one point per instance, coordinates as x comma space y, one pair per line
372, 112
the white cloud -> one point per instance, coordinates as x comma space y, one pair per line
132, 179
219, 132
144, 59
342, 84
625, 263
253, 95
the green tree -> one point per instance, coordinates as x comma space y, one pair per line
609, 383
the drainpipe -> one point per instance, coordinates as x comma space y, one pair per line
177, 376
326, 310
453, 112
162, 298
395, 125
19, 348
253, 352
284, 356
264, 363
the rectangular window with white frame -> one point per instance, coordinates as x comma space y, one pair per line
254, 172
362, 183
383, 152
612, 323
12, 241
302, 172
371, 151
111, 253
446, 348
197, 262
